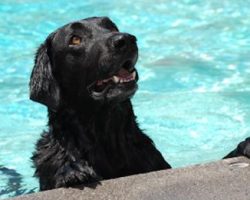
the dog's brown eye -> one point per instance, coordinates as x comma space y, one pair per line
75, 40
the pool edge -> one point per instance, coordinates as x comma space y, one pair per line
220, 180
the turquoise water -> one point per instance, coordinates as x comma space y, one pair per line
194, 66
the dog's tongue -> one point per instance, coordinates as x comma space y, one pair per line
123, 73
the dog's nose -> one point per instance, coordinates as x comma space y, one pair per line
123, 40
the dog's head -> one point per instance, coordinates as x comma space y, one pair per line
89, 58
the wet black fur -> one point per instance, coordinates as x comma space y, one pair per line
243, 149
87, 140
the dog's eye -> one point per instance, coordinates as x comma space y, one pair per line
75, 40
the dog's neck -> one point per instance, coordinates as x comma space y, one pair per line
85, 118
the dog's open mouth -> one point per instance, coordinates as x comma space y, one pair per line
122, 77
120, 86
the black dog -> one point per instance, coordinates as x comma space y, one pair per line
85, 74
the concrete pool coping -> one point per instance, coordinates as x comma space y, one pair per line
222, 180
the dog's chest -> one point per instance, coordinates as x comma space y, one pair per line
108, 157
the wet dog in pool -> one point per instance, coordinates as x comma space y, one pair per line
85, 74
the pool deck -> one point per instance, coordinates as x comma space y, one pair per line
222, 180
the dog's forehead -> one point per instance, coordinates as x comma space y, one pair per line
89, 24
91, 27
100, 21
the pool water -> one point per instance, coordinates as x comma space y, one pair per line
194, 67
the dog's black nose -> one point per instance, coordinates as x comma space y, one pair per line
123, 40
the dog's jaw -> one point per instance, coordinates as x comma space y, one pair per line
118, 87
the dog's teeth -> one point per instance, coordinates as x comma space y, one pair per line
116, 79
134, 75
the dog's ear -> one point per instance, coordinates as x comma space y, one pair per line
43, 86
